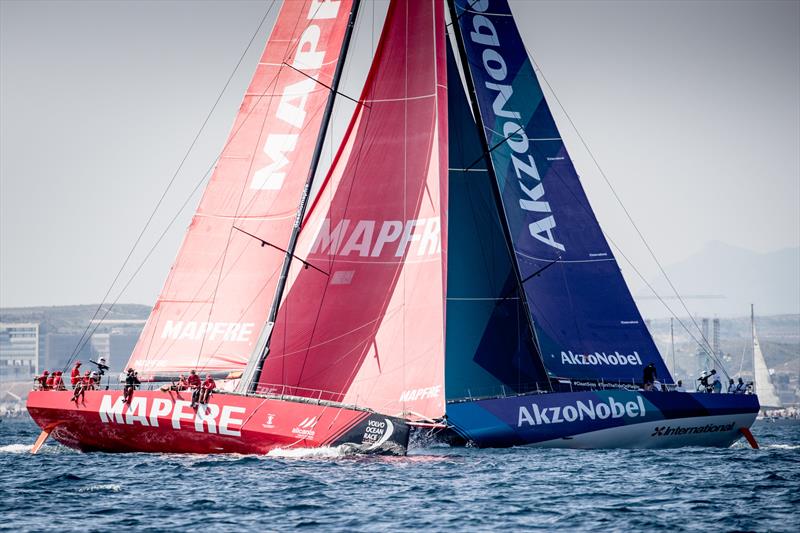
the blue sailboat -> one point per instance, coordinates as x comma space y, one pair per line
545, 344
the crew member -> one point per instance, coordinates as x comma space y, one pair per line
207, 388
75, 376
650, 376
741, 388
717, 385
195, 385
43, 380
731, 386
131, 382
58, 382
704, 379
51, 380
679, 387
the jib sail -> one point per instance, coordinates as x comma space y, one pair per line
218, 292
490, 348
368, 326
587, 324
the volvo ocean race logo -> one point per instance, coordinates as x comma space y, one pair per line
579, 411
377, 432
483, 32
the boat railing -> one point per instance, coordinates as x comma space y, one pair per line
280, 390
556, 385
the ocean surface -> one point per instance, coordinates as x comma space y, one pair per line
434, 488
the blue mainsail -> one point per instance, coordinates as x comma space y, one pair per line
586, 322
489, 344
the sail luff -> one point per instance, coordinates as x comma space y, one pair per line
476, 112
253, 372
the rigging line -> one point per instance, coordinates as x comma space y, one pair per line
492, 149
508, 294
618, 199
265, 243
77, 350
323, 84
462, 14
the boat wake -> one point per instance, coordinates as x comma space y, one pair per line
16, 448
326, 452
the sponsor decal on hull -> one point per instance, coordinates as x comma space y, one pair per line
579, 411
667, 431
208, 418
305, 428
377, 432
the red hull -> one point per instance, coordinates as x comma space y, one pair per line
164, 422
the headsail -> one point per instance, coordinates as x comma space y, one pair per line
587, 324
490, 346
765, 389
216, 298
371, 331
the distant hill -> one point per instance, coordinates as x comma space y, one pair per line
771, 281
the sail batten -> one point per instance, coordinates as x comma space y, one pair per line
586, 324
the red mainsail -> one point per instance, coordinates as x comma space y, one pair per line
218, 293
371, 331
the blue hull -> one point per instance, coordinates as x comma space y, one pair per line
604, 419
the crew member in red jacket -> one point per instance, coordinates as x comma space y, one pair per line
50, 382
208, 386
195, 385
58, 382
43, 380
75, 377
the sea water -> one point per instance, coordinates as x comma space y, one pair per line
433, 488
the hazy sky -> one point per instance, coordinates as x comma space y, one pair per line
691, 108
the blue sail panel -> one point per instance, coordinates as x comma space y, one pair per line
587, 325
489, 343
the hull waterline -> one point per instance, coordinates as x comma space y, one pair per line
605, 419
165, 422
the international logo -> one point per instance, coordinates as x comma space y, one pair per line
667, 431
579, 411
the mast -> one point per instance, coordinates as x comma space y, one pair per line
672, 346
753, 346
476, 112
252, 373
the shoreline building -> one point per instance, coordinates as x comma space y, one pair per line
19, 351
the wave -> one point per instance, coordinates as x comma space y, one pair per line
16, 448
108, 487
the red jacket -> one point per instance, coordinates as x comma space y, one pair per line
50, 381
76, 375
194, 380
209, 384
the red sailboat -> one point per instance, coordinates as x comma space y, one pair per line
325, 324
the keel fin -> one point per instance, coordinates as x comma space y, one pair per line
750, 438
40, 441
